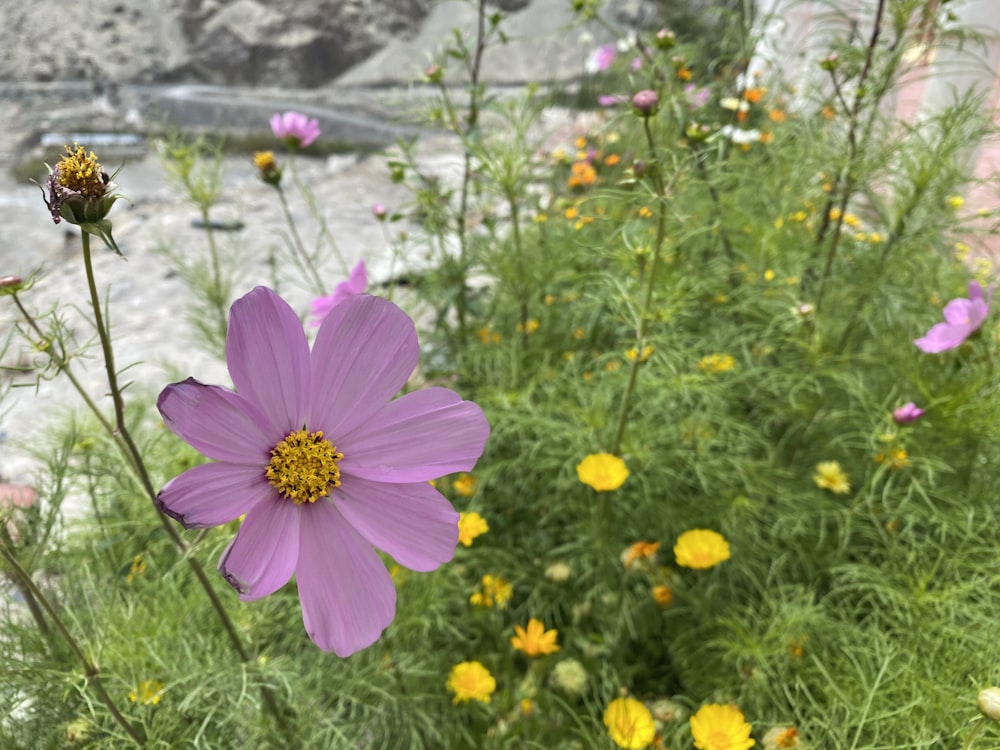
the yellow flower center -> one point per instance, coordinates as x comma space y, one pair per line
303, 467
81, 172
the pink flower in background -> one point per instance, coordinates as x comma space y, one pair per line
611, 100
908, 413
324, 466
355, 285
601, 58
697, 97
295, 128
962, 317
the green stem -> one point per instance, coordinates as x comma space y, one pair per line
134, 457
299, 253
647, 299
90, 670
970, 739
217, 296
317, 214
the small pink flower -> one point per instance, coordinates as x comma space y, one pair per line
355, 285
297, 130
611, 100
380, 212
646, 102
908, 413
602, 58
963, 317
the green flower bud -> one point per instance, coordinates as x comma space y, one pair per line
989, 703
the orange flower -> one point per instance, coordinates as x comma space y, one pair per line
535, 640
638, 552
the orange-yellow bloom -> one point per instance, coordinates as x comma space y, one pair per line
535, 640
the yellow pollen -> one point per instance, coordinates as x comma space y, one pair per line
303, 467
81, 172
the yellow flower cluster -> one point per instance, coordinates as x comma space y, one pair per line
470, 526
713, 364
495, 592
148, 693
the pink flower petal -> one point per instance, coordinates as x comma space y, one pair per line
363, 354
347, 596
263, 556
412, 522
213, 494
958, 312
421, 436
355, 285
268, 358
216, 422
941, 337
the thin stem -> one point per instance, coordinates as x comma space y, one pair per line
970, 739
216, 297
299, 253
317, 214
134, 457
643, 317
90, 670
29, 598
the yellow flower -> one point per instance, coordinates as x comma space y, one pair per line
701, 549
956, 201
897, 458
717, 727
495, 591
148, 693
611, 160
530, 326
716, 363
829, 476
465, 484
852, 221
835, 213
471, 525
639, 551
581, 174
571, 213
137, 569
471, 681
633, 353
662, 595
630, 724
535, 640
602, 471
264, 161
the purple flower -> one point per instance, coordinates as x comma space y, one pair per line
962, 318
696, 97
908, 413
297, 130
354, 286
325, 467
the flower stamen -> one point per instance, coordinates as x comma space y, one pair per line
303, 466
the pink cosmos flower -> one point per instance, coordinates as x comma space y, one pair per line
323, 464
601, 58
963, 317
297, 130
611, 100
354, 286
907, 413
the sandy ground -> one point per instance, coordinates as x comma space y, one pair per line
148, 300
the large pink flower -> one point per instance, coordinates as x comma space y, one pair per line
355, 285
962, 318
295, 128
323, 464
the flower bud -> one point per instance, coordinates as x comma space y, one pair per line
989, 703
646, 102
380, 212
267, 168
665, 39
11, 284
830, 63
434, 73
